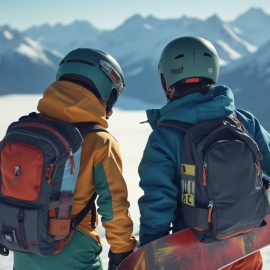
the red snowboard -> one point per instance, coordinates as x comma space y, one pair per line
182, 251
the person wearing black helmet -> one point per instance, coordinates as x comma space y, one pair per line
189, 71
88, 83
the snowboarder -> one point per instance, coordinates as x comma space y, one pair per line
189, 70
87, 85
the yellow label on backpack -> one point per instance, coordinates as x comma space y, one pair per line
188, 199
188, 192
188, 169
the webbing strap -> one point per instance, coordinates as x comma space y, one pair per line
90, 206
196, 217
182, 126
89, 127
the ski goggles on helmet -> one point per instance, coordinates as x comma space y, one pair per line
108, 69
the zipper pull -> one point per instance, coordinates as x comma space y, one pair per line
49, 172
204, 180
258, 168
210, 211
72, 161
17, 174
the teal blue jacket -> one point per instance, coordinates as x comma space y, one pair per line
161, 160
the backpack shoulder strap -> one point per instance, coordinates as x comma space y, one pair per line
86, 128
182, 126
89, 127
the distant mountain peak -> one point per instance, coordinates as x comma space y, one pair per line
136, 18
8, 28
254, 26
6, 32
214, 19
134, 22
9, 38
151, 19
255, 15
8, 35
5, 27
81, 24
256, 11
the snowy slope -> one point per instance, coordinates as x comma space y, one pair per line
124, 125
25, 65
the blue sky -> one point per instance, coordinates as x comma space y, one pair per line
107, 14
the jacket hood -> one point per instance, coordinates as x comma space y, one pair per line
193, 108
72, 103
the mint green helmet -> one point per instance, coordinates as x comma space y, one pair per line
97, 66
188, 57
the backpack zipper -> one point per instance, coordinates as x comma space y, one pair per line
58, 135
72, 161
204, 180
42, 126
44, 139
209, 192
210, 211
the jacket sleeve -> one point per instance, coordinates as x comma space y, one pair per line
260, 135
157, 172
112, 195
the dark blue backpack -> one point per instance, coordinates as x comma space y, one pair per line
221, 187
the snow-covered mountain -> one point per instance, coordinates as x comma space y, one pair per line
143, 37
137, 44
253, 26
65, 37
25, 65
141, 40
250, 80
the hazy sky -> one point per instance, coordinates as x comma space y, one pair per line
107, 14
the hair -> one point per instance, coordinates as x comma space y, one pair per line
82, 81
181, 89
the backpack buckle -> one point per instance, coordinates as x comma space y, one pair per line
3, 250
73, 224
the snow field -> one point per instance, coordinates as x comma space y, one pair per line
131, 135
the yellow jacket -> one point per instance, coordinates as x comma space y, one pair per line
100, 167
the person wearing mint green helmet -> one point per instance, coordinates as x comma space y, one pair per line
188, 61
88, 84
96, 69
189, 73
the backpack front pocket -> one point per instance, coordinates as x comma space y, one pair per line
21, 168
25, 230
237, 192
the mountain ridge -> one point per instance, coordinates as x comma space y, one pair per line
137, 44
